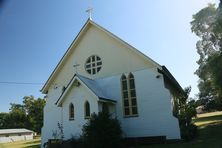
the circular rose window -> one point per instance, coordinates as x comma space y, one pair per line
93, 64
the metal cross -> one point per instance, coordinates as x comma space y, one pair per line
89, 11
76, 66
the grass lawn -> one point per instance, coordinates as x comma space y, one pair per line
210, 133
209, 127
23, 144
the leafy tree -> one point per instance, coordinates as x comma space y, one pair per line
207, 25
34, 109
27, 115
16, 118
186, 110
2, 120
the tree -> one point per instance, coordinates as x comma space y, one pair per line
186, 110
2, 120
27, 115
17, 117
34, 109
207, 25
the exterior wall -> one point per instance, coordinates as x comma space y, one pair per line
154, 106
96, 42
154, 100
77, 96
52, 114
15, 137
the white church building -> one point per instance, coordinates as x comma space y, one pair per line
98, 72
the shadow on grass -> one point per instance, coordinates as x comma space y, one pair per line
211, 118
33, 146
208, 136
33, 142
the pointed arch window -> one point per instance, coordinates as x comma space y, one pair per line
87, 110
125, 95
129, 95
71, 111
132, 90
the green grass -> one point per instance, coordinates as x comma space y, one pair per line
35, 143
209, 128
209, 136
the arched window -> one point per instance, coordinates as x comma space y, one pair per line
125, 95
87, 110
71, 111
132, 90
129, 95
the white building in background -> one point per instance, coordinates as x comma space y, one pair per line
101, 72
12, 135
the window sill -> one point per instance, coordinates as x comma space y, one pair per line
130, 116
70, 119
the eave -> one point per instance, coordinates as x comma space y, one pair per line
166, 73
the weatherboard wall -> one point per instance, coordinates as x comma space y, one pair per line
5, 138
116, 57
154, 100
77, 96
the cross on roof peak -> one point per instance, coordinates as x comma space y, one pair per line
89, 11
76, 66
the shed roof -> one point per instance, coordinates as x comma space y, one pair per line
14, 131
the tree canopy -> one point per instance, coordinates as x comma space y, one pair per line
207, 25
27, 115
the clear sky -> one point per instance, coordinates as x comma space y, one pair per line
34, 35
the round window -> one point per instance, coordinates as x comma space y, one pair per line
93, 64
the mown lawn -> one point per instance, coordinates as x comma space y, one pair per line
209, 127
23, 144
210, 133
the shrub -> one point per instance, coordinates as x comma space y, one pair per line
102, 131
184, 111
188, 132
74, 143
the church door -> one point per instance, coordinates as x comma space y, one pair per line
105, 108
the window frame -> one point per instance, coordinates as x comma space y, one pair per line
93, 64
129, 99
71, 111
87, 113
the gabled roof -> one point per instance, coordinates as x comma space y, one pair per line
91, 85
75, 42
14, 131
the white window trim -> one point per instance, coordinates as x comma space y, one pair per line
90, 64
129, 97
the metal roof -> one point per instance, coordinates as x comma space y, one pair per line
96, 86
14, 131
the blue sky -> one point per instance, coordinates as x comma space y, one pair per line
34, 35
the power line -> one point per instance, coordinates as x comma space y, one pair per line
20, 83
